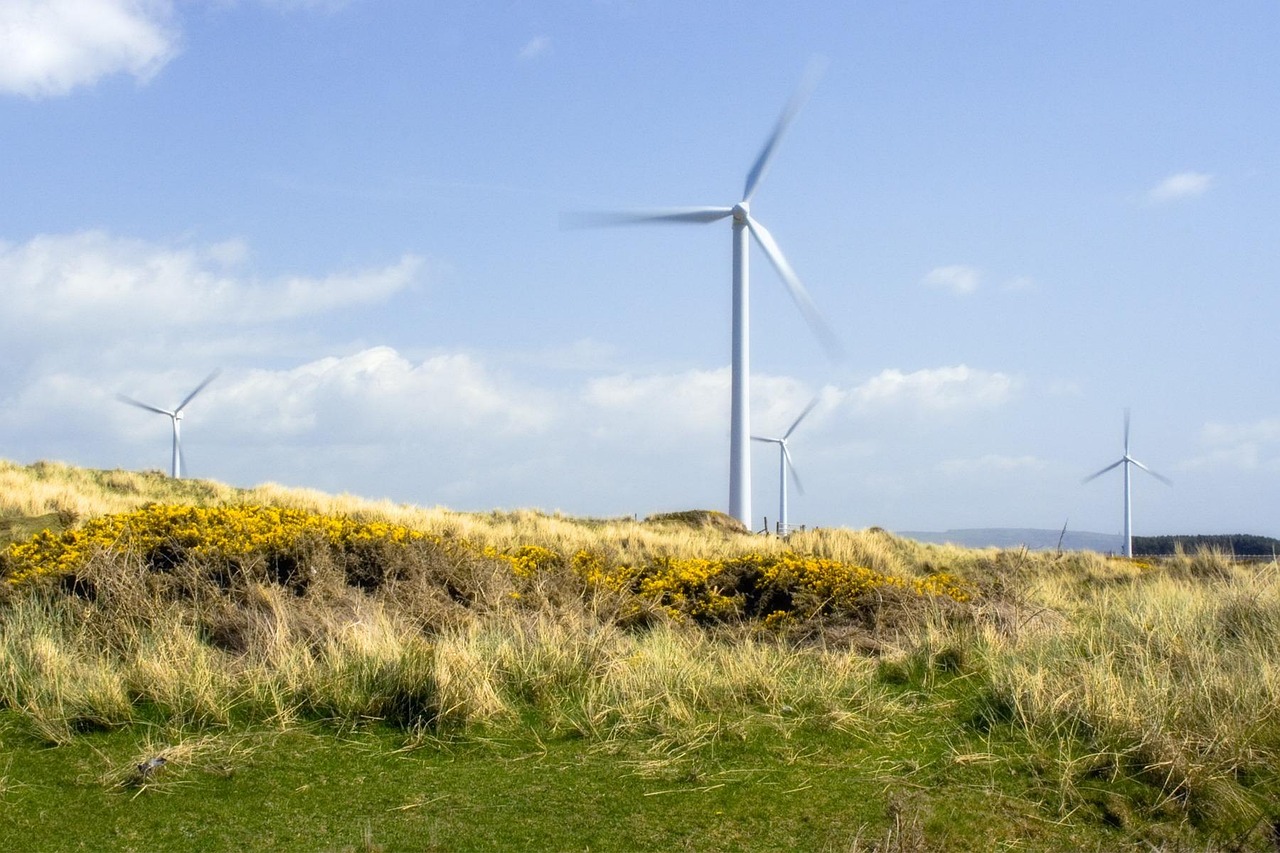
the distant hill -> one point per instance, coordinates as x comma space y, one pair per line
1239, 544
1016, 537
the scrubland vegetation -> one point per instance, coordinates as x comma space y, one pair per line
176, 648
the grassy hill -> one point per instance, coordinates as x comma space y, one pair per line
183, 664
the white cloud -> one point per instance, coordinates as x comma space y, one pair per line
1180, 186
93, 280
1246, 447
53, 46
956, 278
535, 47
377, 395
936, 390
1264, 431
694, 401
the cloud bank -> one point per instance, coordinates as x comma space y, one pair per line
54, 46
92, 280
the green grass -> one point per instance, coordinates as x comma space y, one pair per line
764, 787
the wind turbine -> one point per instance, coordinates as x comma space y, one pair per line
1126, 461
175, 415
743, 222
785, 464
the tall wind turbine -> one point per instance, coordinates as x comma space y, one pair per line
1126, 461
785, 464
175, 415
743, 222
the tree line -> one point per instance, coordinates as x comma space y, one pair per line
1238, 544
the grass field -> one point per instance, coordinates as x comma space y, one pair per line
186, 665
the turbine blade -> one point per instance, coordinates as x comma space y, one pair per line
807, 409
764, 439
199, 388
791, 466
1161, 477
132, 402
798, 293
1103, 471
605, 218
798, 98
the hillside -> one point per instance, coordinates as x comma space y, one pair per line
188, 664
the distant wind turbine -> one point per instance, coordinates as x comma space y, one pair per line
743, 222
1126, 461
785, 465
175, 415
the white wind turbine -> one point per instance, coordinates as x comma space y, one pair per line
743, 222
175, 415
1126, 461
785, 464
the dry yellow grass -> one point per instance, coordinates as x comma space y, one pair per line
1160, 670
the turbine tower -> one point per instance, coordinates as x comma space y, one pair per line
175, 415
1126, 461
784, 465
743, 223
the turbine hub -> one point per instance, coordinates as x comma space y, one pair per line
740, 211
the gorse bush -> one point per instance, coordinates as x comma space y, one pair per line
165, 536
290, 547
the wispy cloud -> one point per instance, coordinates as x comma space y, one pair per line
956, 278
1246, 447
535, 47
54, 46
93, 280
1183, 185
939, 389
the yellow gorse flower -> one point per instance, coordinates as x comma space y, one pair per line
770, 587
170, 533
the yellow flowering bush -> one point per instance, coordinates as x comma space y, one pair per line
690, 587
527, 560
282, 545
597, 573
164, 536
839, 586
770, 587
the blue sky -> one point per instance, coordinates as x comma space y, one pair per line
1020, 218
